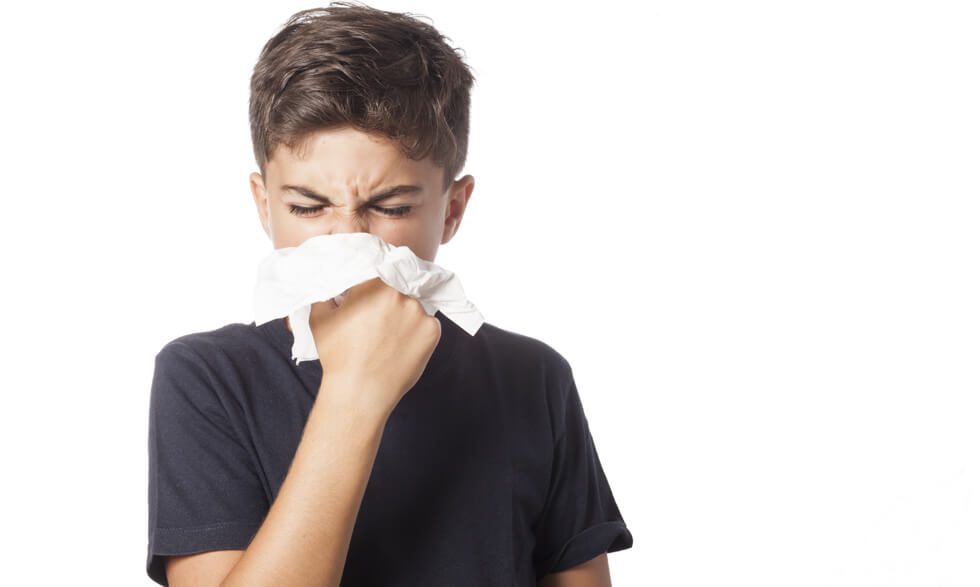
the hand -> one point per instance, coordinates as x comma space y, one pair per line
375, 345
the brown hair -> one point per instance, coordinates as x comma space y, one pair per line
383, 73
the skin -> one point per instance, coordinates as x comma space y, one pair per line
347, 167
593, 573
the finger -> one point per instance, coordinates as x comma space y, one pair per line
325, 307
364, 287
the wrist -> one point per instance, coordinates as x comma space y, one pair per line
354, 398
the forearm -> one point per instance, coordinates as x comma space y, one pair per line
306, 534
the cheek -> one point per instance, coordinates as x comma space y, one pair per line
291, 231
415, 233
394, 233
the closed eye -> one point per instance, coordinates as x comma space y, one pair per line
310, 210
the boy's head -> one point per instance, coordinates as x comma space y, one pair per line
348, 102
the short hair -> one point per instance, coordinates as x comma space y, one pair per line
382, 73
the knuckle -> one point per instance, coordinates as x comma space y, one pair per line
435, 327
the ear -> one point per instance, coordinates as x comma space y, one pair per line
261, 196
459, 196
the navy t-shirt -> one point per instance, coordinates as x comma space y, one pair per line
486, 473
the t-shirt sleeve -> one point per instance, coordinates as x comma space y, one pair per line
580, 519
204, 492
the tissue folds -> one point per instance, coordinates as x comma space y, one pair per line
291, 279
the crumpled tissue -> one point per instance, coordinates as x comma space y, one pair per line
291, 279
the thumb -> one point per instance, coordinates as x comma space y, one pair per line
319, 311
339, 298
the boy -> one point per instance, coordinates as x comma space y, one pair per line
410, 453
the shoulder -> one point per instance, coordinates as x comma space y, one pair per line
210, 346
214, 364
207, 374
518, 352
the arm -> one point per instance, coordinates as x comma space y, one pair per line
593, 573
305, 536
580, 518
372, 351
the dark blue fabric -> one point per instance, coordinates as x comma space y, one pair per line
486, 474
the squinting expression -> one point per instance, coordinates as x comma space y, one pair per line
344, 180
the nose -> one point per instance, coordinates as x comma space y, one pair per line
344, 221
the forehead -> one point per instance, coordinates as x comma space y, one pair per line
348, 157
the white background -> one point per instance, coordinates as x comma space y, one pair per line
751, 228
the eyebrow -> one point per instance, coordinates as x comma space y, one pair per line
374, 199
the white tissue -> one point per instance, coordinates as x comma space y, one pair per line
291, 279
